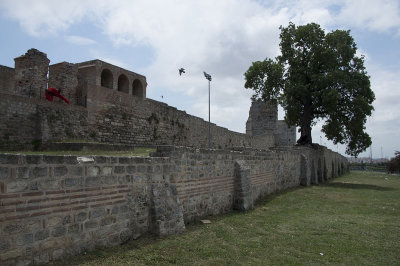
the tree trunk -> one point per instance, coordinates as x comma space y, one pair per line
305, 135
305, 127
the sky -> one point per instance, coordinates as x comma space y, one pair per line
157, 37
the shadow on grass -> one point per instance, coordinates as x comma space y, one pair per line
357, 186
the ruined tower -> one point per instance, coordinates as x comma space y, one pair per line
263, 119
64, 77
31, 73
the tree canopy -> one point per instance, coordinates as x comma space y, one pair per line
318, 76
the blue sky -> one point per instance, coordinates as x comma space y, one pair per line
223, 38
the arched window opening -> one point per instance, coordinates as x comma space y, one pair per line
107, 79
137, 88
123, 83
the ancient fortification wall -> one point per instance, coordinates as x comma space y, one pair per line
149, 122
52, 206
108, 104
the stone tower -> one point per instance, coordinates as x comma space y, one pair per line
64, 77
262, 118
31, 73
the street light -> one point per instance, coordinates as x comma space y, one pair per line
208, 77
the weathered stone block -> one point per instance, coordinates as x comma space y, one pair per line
3, 172
125, 235
91, 224
107, 170
53, 159
124, 160
93, 171
107, 220
80, 217
76, 171
49, 184
60, 171
4, 244
97, 212
110, 180
17, 186
100, 159
33, 159
131, 169
93, 181
119, 169
25, 240
8, 159
22, 172
42, 234
69, 182
58, 231
73, 229
39, 172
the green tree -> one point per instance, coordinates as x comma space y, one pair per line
318, 76
393, 166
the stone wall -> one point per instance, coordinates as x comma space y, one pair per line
119, 118
7, 82
113, 117
207, 183
117, 110
52, 206
55, 205
27, 120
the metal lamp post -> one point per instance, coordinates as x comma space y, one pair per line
208, 77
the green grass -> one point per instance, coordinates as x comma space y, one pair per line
140, 151
353, 220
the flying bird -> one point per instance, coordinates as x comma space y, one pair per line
181, 70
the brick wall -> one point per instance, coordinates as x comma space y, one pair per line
52, 206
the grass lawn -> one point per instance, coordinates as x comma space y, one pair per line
353, 220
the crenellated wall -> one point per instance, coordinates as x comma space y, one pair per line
53, 206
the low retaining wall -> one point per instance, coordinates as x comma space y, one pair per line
52, 206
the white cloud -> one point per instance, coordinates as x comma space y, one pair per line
42, 17
374, 15
79, 40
